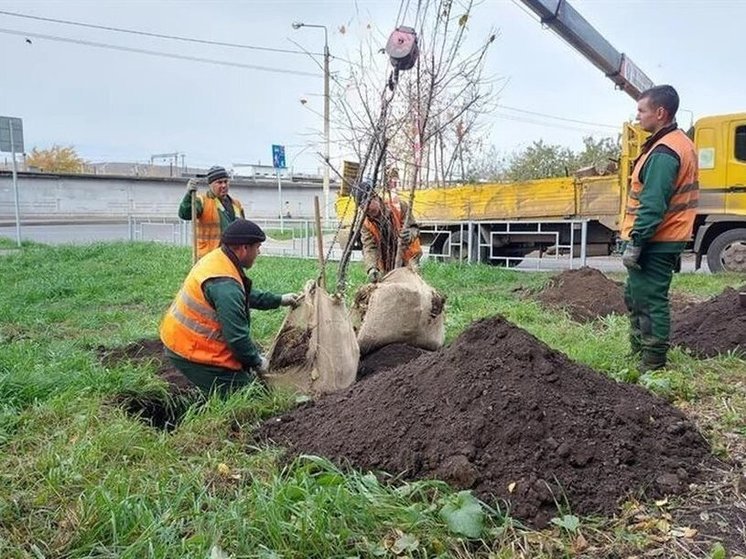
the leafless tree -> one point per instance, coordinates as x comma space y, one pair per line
427, 124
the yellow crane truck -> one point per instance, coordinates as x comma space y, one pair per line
501, 223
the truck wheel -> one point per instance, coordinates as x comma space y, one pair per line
459, 248
437, 246
727, 252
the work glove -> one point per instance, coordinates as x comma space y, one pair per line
263, 366
409, 234
374, 275
630, 256
192, 185
290, 300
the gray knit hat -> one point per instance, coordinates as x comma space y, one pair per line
216, 173
242, 232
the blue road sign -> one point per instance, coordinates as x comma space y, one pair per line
278, 156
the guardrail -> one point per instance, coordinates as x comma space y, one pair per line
289, 237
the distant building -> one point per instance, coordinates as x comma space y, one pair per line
142, 169
258, 171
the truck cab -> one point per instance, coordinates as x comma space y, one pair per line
720, 230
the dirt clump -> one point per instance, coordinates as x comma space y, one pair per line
159, 410
586, 294
715, 326
388, 357
438, 302
503, 414
291, 347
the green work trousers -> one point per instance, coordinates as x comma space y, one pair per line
646, 297
209, 379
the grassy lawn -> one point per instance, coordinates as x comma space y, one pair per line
81, 478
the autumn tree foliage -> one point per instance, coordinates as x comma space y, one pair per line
57, 159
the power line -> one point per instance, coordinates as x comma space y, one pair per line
540, 123
170, 37
158, 53
156, 35
600, 125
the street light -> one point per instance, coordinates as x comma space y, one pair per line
298, 25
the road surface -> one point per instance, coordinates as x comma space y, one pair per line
85, 233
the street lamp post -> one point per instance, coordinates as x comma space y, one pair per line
298, 25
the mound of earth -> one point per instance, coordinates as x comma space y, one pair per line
586, 294
712, 327
155, 409
387, 357
501, 413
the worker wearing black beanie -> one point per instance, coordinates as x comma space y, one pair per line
206, 331
215, 209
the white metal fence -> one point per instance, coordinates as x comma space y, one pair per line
289, 237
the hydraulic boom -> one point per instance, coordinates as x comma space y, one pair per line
565, 20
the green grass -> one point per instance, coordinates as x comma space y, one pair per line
80, 478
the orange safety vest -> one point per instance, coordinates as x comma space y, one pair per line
413, 250
190, 328
208, 224
678, 221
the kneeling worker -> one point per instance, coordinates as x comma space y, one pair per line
206, 331
380, 234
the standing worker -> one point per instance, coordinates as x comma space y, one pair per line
215, 209
206, 331
658, 223
380, 234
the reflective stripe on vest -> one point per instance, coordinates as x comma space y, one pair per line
678, 220
190, 328
414, 248
208, 225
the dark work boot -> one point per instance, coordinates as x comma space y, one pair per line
651, 361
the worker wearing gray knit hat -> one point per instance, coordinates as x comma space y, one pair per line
206, 331
215, 209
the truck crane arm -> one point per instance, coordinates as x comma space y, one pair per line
565, 20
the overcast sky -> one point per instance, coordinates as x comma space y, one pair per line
117, 105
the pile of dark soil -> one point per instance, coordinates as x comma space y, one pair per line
157, 410
387, 357
715, 326
586, 294
503, 414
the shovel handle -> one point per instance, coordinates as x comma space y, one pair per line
319, 243
194, 227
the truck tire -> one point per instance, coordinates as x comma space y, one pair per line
727, 252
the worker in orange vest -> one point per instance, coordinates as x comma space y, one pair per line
215, 209
658, 223
206, 331
382, 228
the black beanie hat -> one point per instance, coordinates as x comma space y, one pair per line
216, 173
242, 232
